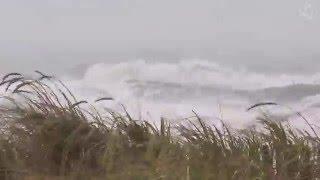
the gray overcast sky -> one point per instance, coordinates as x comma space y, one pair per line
36, 31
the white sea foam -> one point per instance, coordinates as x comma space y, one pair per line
175, 89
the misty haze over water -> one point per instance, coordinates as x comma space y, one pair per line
170, 56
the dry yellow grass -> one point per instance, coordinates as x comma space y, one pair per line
45, 131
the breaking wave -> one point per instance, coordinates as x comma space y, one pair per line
175, 89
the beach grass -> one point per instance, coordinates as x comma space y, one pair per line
47, 133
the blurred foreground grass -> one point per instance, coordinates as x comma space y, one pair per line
45, 134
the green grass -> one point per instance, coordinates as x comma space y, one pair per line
47, 135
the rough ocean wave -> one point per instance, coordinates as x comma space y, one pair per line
175, 89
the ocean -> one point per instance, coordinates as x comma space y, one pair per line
174, 89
